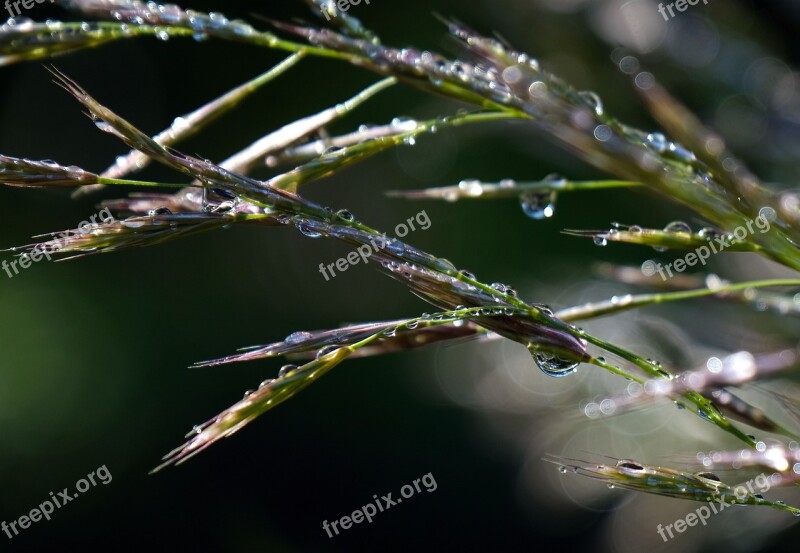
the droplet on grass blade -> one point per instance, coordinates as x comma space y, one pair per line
552, 365
286, 369
538, 205
296, 337
678, 226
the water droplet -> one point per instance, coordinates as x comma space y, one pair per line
326, 350
467, 274
248, 393
538, 205
471, 187
297, 337
103, 126
562, 470
346, 215
286, 369
305, 229
552, 365
678, 226
592, 100
657, 141
600, 241
267, 382
412, 325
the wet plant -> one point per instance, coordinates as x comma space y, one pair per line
686, 163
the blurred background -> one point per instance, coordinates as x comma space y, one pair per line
94, 353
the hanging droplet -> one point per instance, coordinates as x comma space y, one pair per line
600, 240
552, 365
308, 231
538, 205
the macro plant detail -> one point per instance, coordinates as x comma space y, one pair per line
685, 162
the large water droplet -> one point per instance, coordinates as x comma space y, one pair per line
552, 365
538, 205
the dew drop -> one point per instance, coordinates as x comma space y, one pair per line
657, 141
297, 337
346, 215
472, 187
538, 205
308, 231
600, 241
678, 226
593, 101
286, 369
552, 365
326, 350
